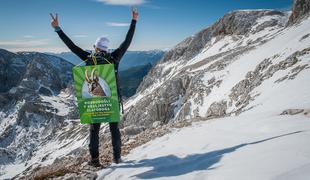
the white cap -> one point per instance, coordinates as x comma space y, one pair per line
102, 43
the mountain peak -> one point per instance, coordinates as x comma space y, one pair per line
239, 22
301, 8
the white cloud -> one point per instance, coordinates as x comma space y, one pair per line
28, 36
123, 2
117, 24
24, 43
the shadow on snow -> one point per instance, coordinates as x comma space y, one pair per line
170, 165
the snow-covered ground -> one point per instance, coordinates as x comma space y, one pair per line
281, 43
252, 146
40, 151
259, 143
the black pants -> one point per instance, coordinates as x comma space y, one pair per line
94, 140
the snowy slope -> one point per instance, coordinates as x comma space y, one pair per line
246, 93
282, 46
230, 75
38, 121
257, 146
40, 143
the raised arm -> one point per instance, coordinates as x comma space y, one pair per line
75, 49
119, 52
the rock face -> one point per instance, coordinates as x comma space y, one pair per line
301, 8
217, 109
159, 106
238, 23
11, 71
175, 86
36, 100
241, 22
218, 71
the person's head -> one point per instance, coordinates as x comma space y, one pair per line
101, 44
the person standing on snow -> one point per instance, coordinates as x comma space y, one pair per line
101, 55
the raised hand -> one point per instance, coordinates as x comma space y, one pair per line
134, 13
54, 22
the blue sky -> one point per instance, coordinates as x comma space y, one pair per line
25, 25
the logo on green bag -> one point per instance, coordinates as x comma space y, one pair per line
96, 93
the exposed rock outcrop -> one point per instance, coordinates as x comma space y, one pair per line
301, 9
234, 23
172, 99
217, 109
35, 101
241, 93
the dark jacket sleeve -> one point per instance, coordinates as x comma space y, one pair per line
119, 52
75, 49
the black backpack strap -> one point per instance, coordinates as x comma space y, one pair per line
118, 87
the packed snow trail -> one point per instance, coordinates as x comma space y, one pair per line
256, 146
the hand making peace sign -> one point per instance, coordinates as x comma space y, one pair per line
54, 22
135, 13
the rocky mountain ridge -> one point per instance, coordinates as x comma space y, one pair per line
300, 10
247, 60
36, 104
130, 59
172, 84
196, 78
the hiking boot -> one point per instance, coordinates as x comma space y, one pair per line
117, 161
94, 162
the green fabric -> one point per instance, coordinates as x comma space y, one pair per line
97, 109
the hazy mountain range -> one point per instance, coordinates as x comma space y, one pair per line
130, 59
